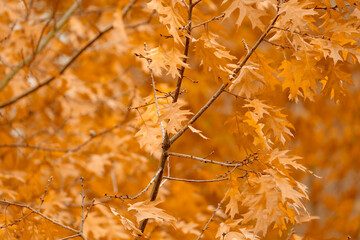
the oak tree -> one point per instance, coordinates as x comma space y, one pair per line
179, 119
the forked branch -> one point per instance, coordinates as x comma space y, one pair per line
42, 43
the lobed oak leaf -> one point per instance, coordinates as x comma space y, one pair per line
233, 193
232, 229
251, 9
288, 190
249, 81
129, 225
169, 16
97, 164
100, 224
277, 127
174, 61
245, 134
299, 79
158, 60
173, 116
213, 56
268, 73
259, 107
296, 16
333, 83
170, 61
146, 210
150, 137
234, 236
187, 227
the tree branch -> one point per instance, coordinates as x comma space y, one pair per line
168, 142
62, 70
137, 195
42, 43
186, 51
4, 202
224, 85
195, 180
210, 20
210, 219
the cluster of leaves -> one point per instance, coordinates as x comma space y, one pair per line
124, 98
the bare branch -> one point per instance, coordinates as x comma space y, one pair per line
24, 145
224, 85
188, 28
45, 192
244, 162
237, 96
92, 136
62, 70
155, 95
210, 220
128, 7
4, 202
302, 34
68, 151
134, 25
137, 195
246, 45
69, 237
195, 180
275, 44
195, 3
41, 45
89, 208
210, 20
82, 204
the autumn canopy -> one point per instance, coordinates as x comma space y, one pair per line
179, 119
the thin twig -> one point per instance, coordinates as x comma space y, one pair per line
134, 25
277, 45
195, 3
224, 85
210, 20
290, 233
237, 96
92, 136
66, 150
62, 70
82, 204
127, 8
16, 221
185, 4
246, 45
45, 192
244, 162
137, 195
40, 214
155, 95
210, 220
186, 51
302, 34
41, 44
193, 81
89, 208
24, 145
195, 180
69, 237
